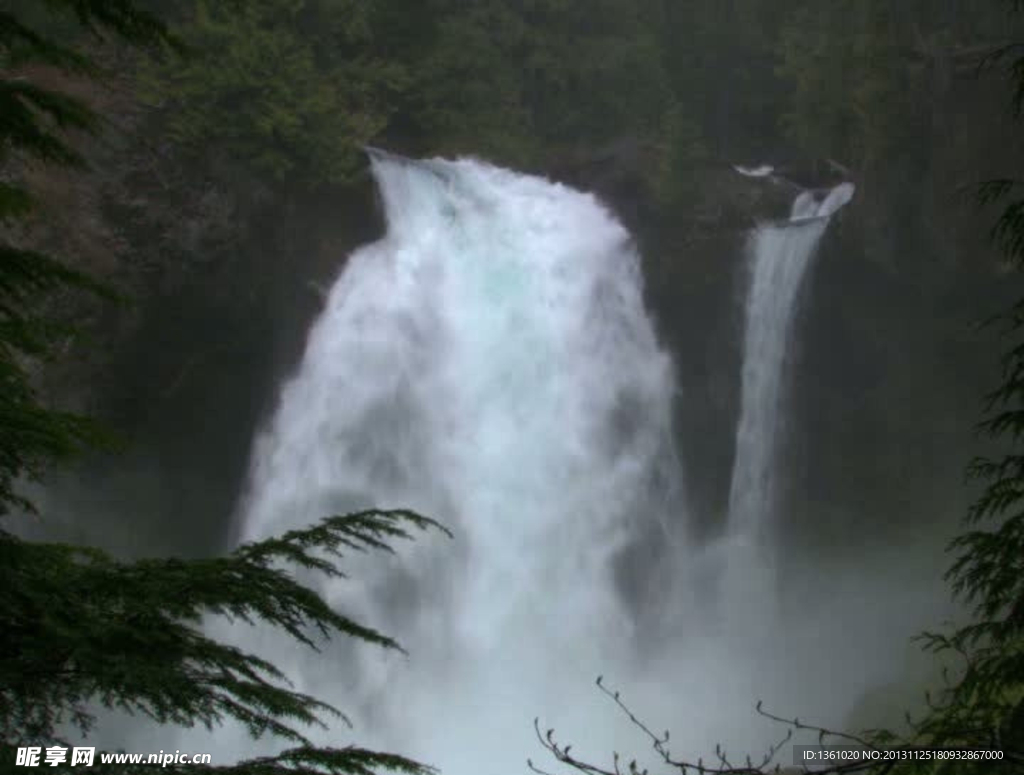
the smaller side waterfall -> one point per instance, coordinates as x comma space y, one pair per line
779, 255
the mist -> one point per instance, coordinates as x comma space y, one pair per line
490, 361
668, 311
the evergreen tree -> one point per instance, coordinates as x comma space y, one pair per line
79, 629
290, 90
985, 706
285, 90
849, 95
34, 122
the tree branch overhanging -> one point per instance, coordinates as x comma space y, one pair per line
721, 764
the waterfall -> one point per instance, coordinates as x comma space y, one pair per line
779, 255
489, 363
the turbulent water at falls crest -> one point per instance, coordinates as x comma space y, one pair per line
779, 255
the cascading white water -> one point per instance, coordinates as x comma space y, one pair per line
779, 255
489, 363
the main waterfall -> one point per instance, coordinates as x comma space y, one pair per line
779, 255
489, 363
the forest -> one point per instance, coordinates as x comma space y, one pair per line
180, 184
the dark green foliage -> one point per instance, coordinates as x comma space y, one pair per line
22, 103
986, 704
289, 91
34, 126
22, 44
851, 90
81, 627
1010, 56
285, 92
78, 628
125, 19
305, 759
